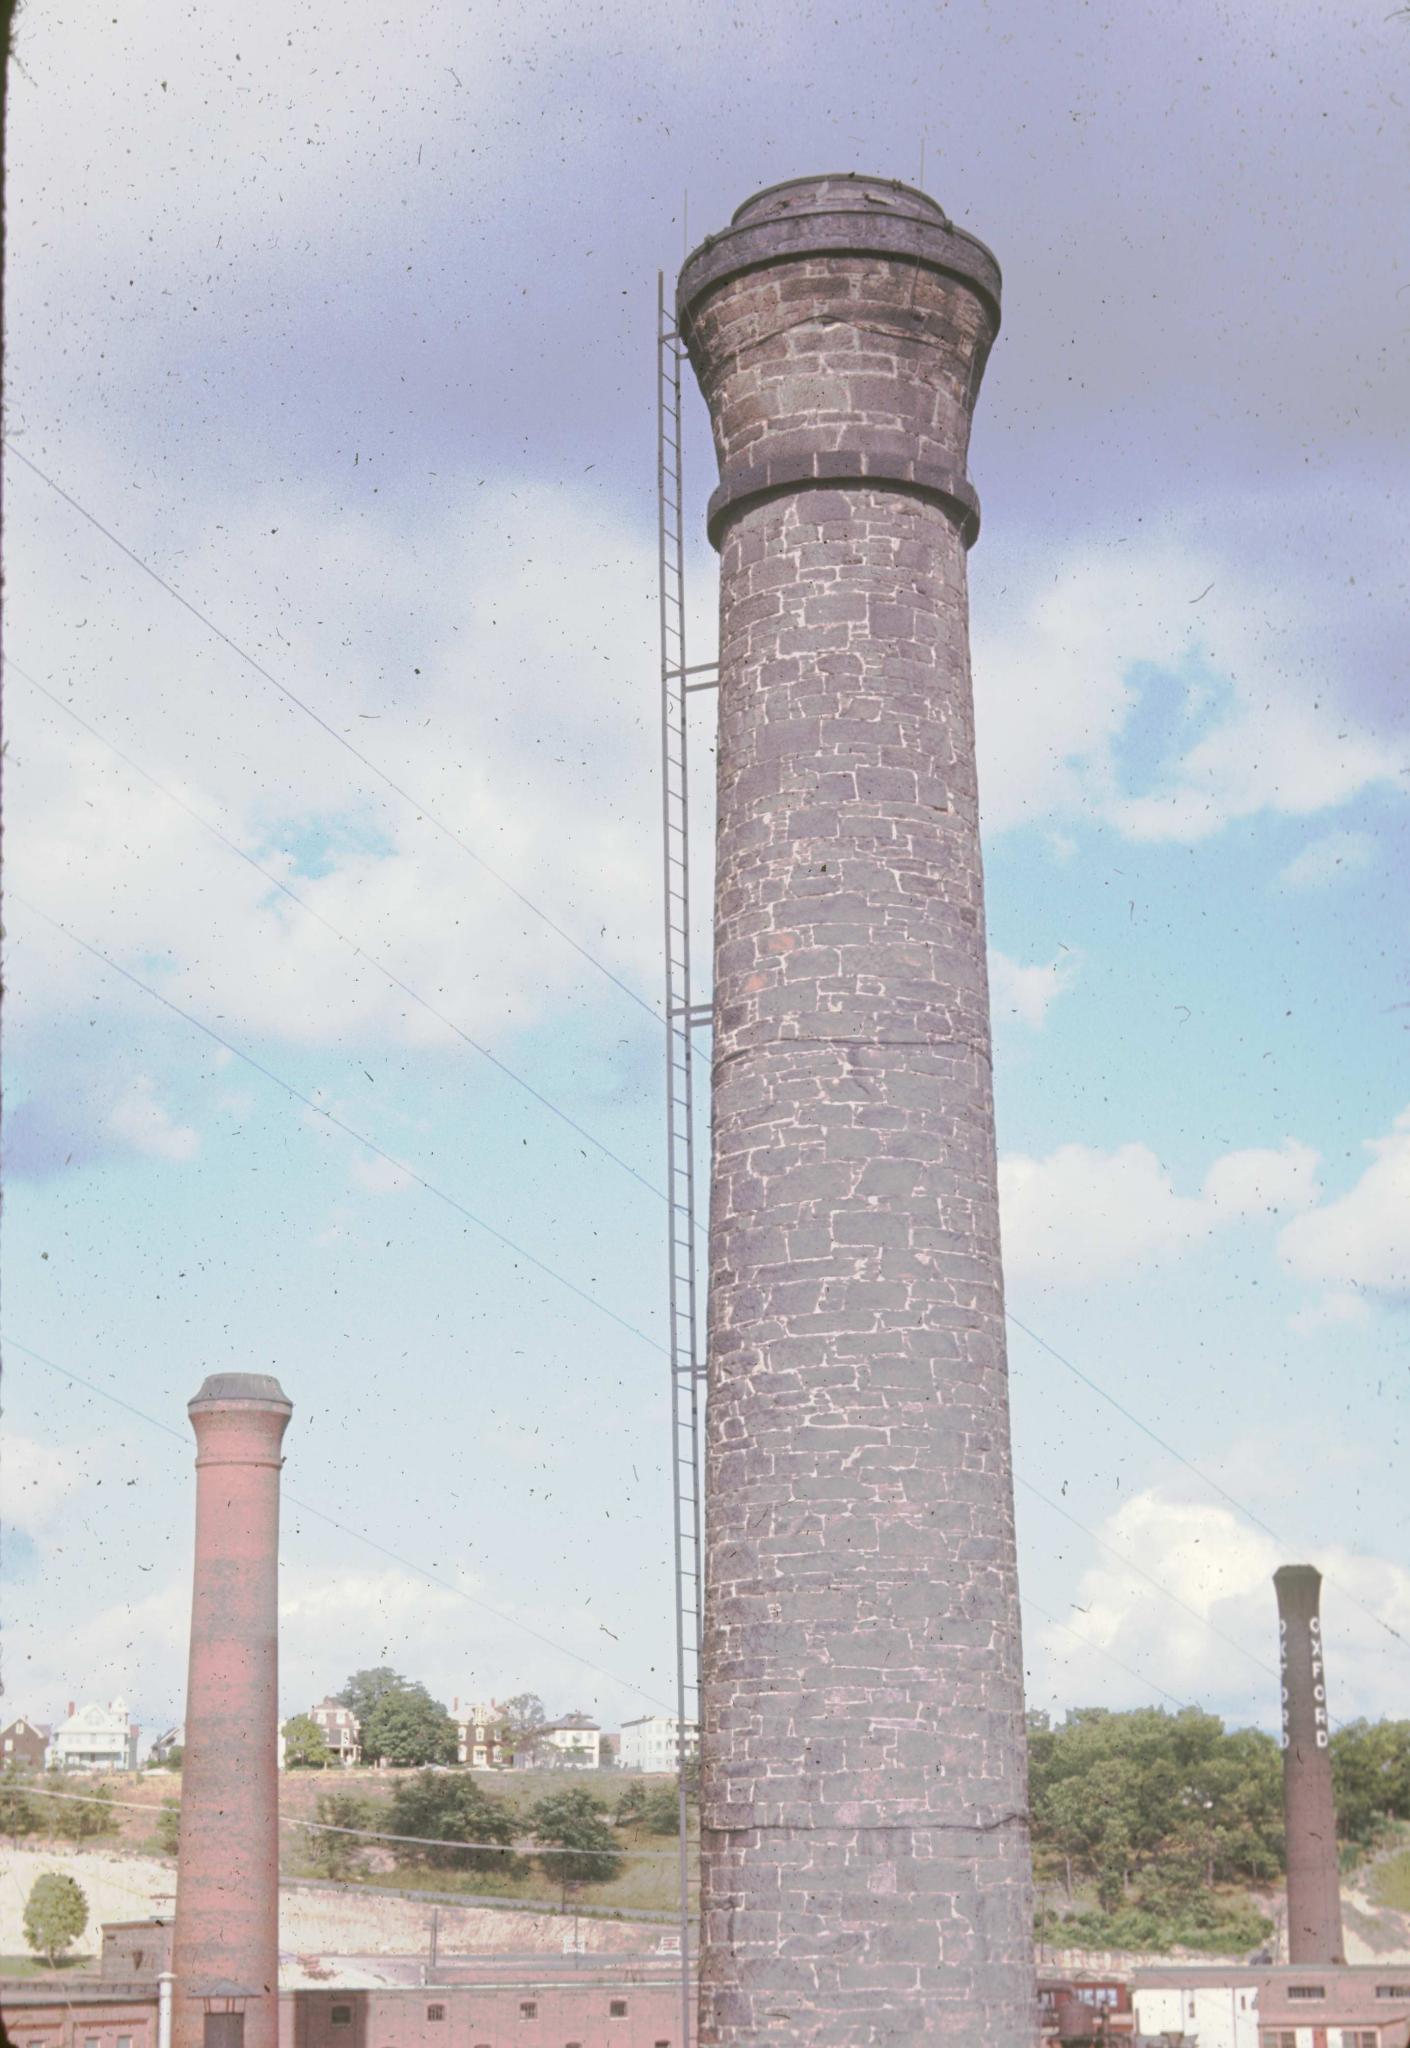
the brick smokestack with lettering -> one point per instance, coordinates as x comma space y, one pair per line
227, 1879
864, 1847
1309, 1808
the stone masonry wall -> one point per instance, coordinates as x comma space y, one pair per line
865, 1864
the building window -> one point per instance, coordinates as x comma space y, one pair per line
528, 2009
341, 2016
1359, 2037
1307, 1991
1274, 2038
617, 2009
435, 2012
1393, 1991
124, 2041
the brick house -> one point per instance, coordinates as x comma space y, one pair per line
25, 1744
340, 1728
484, 1741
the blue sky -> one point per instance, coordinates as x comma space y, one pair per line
346, 325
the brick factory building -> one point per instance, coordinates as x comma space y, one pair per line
514, 2003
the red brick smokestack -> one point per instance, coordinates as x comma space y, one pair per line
864, 1812
227, 1885
1309, 1810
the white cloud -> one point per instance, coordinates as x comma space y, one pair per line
1330, 857
1081, 1213
140, 1121
516, 715
1221, 1569
1058, 679
1027, 992
1361, 1240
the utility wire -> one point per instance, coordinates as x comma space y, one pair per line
323, 1827
1149, 1577
358, 1535
1190, 1465
421, 809
360, 952
338, 1123
434, 1579
1087, 1644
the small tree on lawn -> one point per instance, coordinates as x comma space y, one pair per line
169, 1827
576, 1821
305, 1745
55, 1914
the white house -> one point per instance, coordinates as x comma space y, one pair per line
95, 1739
653, 1743
574, 1740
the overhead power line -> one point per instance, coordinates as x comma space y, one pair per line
323, 1827
338, 1123
360, 951
1149, 1577
358, 1535
1190, 1466
422, 810
435, 1579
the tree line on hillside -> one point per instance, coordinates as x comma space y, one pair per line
400, 1724
1162, 1815
450, 1821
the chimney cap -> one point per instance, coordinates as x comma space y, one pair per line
838, 213
1297, 1575
261, 1387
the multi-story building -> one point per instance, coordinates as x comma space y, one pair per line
575, 1740
169, 1740
1281, 2005
25, 1744
484, 1740
95, 1739
340, 1728
654, 1743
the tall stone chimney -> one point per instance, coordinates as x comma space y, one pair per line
1309, 1808
865, 1853
226, 1940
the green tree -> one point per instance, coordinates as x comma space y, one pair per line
1371, 1778
55, 1914
305, 1746
333, 1854
169, 1827
408, 1727
172, 1760
80, 1818
576, 1820
18, 1815
663, 1810
524, 1717
443, 1808
632, 1804
365, 1688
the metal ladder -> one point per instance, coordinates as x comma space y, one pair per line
683, 1017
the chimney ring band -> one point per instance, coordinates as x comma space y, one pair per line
936, 482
